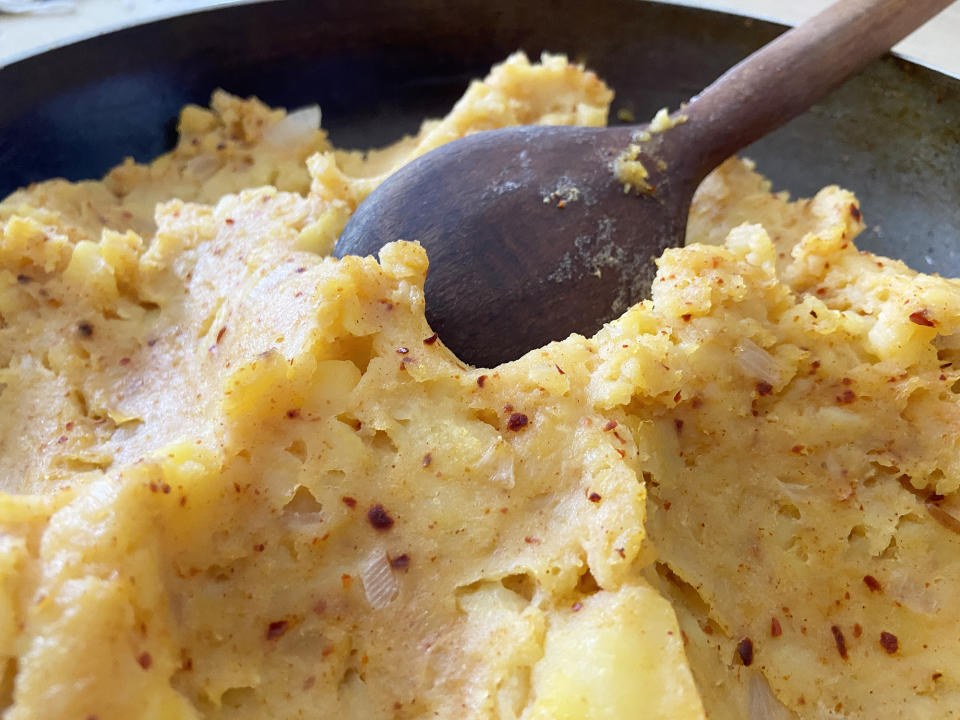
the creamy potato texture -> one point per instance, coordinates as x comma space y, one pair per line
242, 479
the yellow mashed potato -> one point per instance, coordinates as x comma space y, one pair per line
242, 479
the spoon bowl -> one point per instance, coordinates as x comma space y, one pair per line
532, 235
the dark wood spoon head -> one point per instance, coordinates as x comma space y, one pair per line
529, 234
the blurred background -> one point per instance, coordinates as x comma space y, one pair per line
27, 26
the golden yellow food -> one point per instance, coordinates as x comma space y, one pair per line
242, 479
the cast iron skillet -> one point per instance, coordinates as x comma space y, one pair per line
376, 69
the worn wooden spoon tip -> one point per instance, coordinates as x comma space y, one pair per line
528, 218
530, 233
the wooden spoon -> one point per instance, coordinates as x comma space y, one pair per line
529, 232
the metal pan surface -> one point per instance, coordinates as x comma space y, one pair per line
376, 69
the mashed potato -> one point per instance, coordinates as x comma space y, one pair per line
242, 479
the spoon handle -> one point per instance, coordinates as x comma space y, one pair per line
793, 72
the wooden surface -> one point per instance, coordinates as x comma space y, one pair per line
934, 45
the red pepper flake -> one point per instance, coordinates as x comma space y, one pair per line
349, 501
855, 212
293, 413
686, 317
260, 547
229, 221
846, 397
69, 426
220, 334
667, 505
857, 630
764, 388
145, 660
594, 497
345, 581
379, 518
920, 318
481, 380
165, 488
678, 424
610, 425
62, 439
530, 540
745, 651
840, 641
427, 459
400, 562
678, 397
125, 361
508, 408
517, 421
577, 606
276, 629
889, 642
559, 369
797, 449
871, 582
775, 629
430, 340
85, 328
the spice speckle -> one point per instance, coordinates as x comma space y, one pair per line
745, 651
871, 582
276, 629
921, 317
775, 629
839, 641
517, 421
379, 518
889, 642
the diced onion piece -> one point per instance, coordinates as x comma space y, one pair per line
757, 362
203, 166
379, 583
763, 704
294, 129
